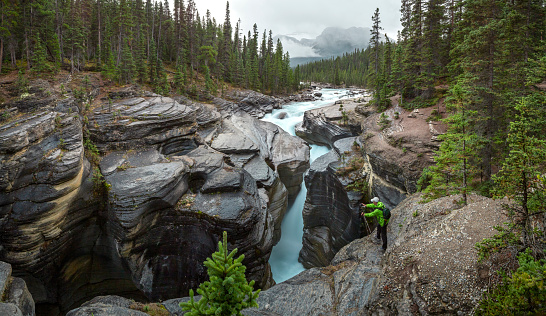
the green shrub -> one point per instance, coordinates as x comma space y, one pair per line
522, 293
384, 121
424, 179
227, 292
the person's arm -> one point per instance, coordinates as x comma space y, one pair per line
374, 213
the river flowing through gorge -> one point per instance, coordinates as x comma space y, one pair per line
284, 257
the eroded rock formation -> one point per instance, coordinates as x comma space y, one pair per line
173, 176
331, 212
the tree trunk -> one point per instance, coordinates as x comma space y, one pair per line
27, 46
1, 53
13, 56
99, 34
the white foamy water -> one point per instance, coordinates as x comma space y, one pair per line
284, 257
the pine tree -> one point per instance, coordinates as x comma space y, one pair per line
227, 292
374, 44
457, 158
39, 58
179, 79
127, 67
519, 178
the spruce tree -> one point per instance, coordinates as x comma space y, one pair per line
457, 158
374, 44
227, 292
520, 176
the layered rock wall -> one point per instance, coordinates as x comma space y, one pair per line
172, 177
330, 214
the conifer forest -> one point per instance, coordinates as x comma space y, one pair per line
132, 42
486, 61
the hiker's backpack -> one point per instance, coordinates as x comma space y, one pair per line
386, 213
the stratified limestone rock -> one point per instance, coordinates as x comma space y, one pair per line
317, 128
250, 102
15, 299
158, 122
286, 154
47, 196
164, 231
166, 199
330, 214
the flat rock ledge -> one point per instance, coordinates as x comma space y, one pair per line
430, 266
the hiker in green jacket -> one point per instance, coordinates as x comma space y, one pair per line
381, 222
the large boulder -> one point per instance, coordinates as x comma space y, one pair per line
317, 127
284, 153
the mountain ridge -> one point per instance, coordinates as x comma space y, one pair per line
333, 41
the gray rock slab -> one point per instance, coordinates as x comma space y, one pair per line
205, 160
9, 309
234, 143
20, 296
5, 274
308, 293
222, 180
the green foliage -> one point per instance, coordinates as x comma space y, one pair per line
359, 185
384, 121
458, 157
424, 180
506, 237
354, 164
39, 59
520, 176
227, 292
522, 293
100, 185
91, 151
22, 82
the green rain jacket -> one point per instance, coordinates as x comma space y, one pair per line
378, 212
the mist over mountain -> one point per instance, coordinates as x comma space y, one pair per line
333, 41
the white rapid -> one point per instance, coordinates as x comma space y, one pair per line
284, 257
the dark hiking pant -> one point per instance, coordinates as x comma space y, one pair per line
382, 234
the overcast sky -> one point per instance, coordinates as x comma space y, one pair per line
310, 17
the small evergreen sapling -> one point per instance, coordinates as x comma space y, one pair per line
228, 292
